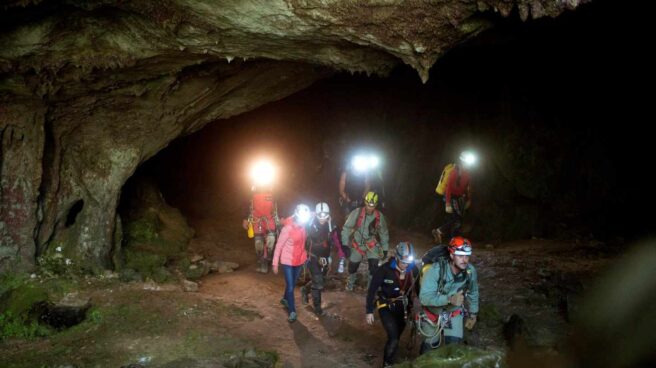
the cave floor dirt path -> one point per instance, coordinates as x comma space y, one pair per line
523, 277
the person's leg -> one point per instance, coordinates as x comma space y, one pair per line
290, 282
354, 264
313, 266
259, 250
431, 338
270, 243
317, 287
452, 340
390, 324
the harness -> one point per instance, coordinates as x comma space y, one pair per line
373, 231
439, 321
383, 302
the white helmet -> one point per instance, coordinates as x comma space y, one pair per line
322, 211
302, 213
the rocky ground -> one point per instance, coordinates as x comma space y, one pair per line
235, 318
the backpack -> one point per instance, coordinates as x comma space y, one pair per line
440, 254
444, 179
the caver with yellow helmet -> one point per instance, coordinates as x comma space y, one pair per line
365, 230
390, 293
446, 288
454, 186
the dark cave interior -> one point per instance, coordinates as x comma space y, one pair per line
551, 106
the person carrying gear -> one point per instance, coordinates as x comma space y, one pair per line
353, 184
455, 183
392, 287
445, 287
290, 252
261, 222
322, 238
366, 231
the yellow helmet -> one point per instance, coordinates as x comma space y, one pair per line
371, 199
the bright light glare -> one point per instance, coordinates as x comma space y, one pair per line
360, 163
373, 162
468, 158
263, 173
303, 216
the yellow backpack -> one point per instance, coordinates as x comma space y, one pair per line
444, 178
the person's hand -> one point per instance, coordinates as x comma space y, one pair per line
275, 270
244, 224
470, 322
448, 208
457, 299
369, 318
468, 204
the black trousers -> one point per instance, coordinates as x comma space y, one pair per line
453, 220
394, 323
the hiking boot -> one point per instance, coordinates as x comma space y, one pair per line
304, 295
350, 282
259, 267
292, 317
283, 301
318, 311
316, 301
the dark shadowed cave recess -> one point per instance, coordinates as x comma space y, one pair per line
551, 107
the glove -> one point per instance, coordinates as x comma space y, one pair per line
470, 322
448, 208
244, 224
457, 299
369, 318
340, 268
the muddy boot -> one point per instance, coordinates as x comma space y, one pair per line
304, 295
265, 266
316, 301
259, 265
350, 281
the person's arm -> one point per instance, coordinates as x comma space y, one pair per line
376, 282
342, 187
450, 184
383, 232
349, 226
334, 237
282, 240
367, 186
429, 295
472, 294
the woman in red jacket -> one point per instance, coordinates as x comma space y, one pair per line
290, 252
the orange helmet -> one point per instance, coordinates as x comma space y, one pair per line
460, 246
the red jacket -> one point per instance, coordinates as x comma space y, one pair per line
290, 248
457, 186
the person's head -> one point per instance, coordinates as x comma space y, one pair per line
468, 159
323, 212
460, 249
370, 202
404, 254
302, 214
